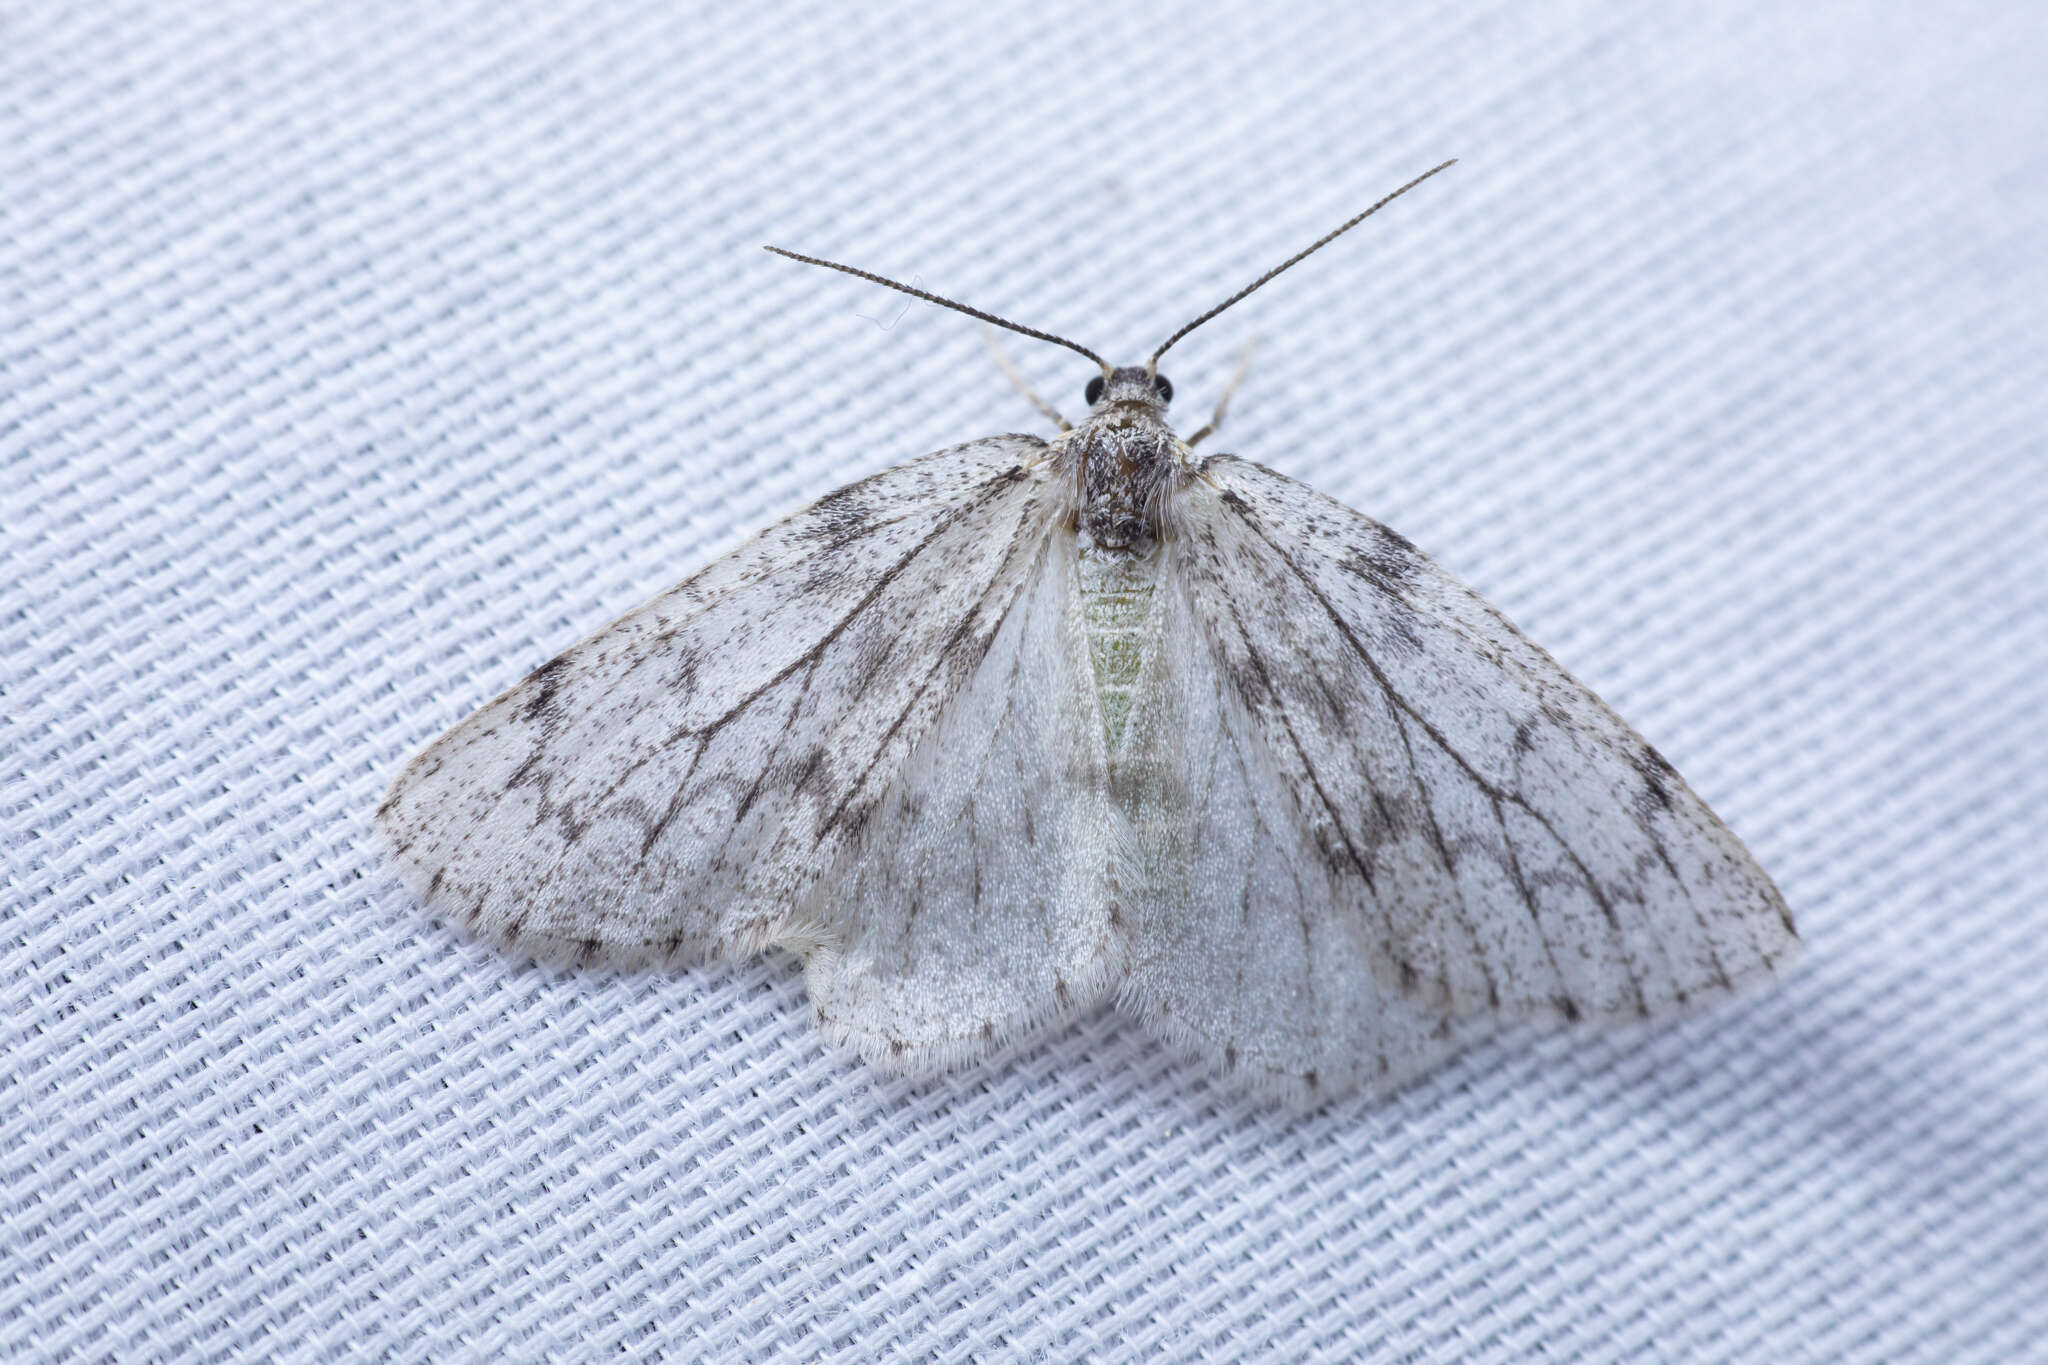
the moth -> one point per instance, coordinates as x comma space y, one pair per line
1025, 726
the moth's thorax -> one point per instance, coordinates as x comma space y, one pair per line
1125, 462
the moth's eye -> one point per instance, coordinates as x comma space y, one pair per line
1164, 386
1094, 391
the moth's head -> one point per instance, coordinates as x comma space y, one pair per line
1133, 390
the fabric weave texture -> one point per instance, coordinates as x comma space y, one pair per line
354, 359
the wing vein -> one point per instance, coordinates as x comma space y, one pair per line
1309, 770
943, 656
1408, 708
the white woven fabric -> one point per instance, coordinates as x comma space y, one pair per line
354, 358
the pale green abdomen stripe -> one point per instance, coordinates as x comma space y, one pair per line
1116, 597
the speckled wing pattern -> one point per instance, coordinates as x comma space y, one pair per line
1371, 810
980, 908
1353, 816
677, 786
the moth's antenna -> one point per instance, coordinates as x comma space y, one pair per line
873, 278
1295, 259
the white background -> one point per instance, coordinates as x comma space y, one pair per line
355, 358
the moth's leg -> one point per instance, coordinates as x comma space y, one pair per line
1011, 373
1244, 365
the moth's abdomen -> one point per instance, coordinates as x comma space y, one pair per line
1116, 599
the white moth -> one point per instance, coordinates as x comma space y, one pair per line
1025, 726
